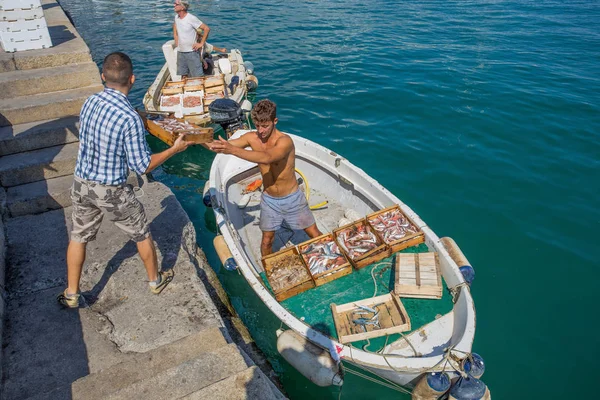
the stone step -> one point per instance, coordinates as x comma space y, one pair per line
187, 377
38, 165
38, 135
38, 197
46, 80
146, 365
249, 384
39, 107
67, 45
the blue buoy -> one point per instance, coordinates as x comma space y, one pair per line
206, 200
475, 368
230, 264
468, 389
468, 273
438, 381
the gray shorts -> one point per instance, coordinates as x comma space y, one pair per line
92, 200
189, 64
292, 209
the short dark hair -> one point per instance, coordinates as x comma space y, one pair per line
117, 68
264, 111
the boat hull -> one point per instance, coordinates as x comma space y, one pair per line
398, 363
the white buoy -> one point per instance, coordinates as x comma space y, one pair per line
310, 360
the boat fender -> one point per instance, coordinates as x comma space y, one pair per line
246, 106
469, 388
249, 67
352, 214
251, 82
474, 365
206, 195
459, 258
224, 254
344, 221
244, 200
310, 360
431, 386
224, 65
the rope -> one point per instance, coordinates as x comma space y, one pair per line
454, 290
373, 274
390, 385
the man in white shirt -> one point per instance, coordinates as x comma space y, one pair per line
185, 30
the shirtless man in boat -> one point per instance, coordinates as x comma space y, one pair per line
275, 155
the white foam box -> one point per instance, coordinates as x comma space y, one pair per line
171, 103
198, 97
23, 4
26, 40
23, 25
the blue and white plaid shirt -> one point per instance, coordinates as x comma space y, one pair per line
111, 139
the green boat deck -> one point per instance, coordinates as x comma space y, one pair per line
314, 305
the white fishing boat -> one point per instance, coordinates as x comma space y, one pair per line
230, 77
429, 354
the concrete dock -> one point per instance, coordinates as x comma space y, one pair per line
125, 343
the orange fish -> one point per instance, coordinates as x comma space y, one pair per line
253, 186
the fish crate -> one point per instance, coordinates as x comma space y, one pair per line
194, 133
287, 274
342, 268
353, 321
411, 238
379, 252
418, 275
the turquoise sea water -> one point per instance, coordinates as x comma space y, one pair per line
483, 116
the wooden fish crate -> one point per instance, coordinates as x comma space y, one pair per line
409, 240
418, 275
378, 253
284, 290
195, 135
331, 274
392, 318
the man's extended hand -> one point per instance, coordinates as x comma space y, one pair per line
221, 146
180, 143
197, 46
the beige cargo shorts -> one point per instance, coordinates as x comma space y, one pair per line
92, 200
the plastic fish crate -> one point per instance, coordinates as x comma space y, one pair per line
286, 291
380, 252
392, 318
18, 14
23, 4
418, 275
23, 25
331, 274
26, 40
402, 243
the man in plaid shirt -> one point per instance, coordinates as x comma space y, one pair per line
112, 142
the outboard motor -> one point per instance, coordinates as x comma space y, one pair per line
227, 113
